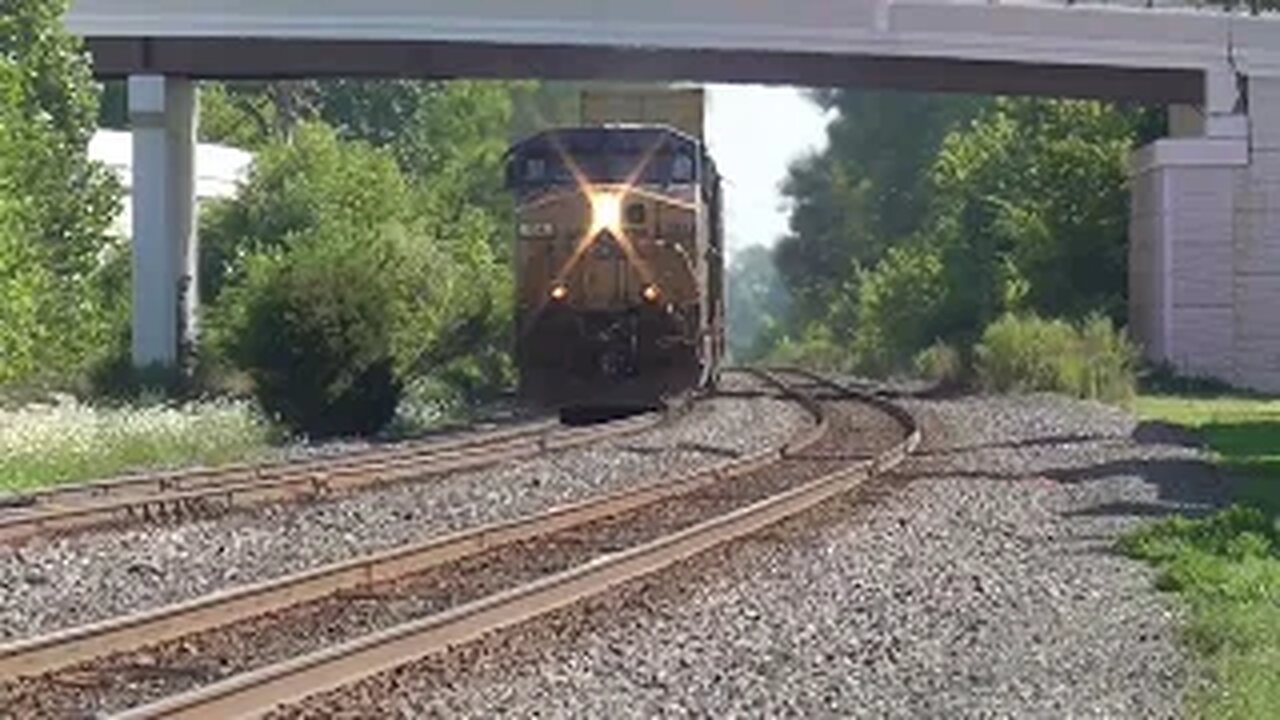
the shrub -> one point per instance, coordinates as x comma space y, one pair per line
898, 309
1028, 353
816, 350
1022, 354
313, 327
295, 188
942, 363
1109, 361
442, 294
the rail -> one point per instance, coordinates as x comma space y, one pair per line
257, 692
219, 490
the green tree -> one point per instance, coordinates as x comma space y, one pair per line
866, 192
448, 138
294, 189
928, 217
1029, 213
758, 303
901, 309
1032, 209
57, 205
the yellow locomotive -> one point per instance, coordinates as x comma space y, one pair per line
619, 262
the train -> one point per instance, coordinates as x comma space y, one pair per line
619, 261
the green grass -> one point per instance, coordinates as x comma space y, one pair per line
1227, 567
66, 441
1244, 432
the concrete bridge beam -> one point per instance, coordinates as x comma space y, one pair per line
163, 115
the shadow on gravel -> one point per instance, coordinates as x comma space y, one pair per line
1072, 439
1138, 509
1183, 487
1151, 432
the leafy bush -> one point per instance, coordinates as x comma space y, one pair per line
1109, 361
816, 350
1028, 353
942, 363
313, 327
1021, 354
296, 188
443, 295
899, 309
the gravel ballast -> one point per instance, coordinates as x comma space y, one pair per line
132, 679
88, 577
979, 581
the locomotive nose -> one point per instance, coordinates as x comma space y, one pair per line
605, 245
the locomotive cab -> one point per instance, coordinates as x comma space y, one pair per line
618, 264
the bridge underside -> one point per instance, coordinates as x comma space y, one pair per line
250, 58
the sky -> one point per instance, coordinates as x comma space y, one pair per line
754, 133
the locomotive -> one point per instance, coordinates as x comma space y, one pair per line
619, 266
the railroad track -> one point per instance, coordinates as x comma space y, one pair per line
203, 492
285, 640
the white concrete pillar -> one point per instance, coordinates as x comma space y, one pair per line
1257, 241
1182, 305
162, 112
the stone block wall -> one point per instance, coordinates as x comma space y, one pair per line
1181, 261
1204, 276
1257, 243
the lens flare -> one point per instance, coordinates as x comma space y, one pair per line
606, 212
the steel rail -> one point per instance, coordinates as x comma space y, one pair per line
864, 392
312, 478
33, 656
198, 477
257, 692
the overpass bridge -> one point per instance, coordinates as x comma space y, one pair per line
1205, 225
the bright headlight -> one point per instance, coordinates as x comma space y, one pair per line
606, 212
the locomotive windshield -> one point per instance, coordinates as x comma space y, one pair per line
652, 156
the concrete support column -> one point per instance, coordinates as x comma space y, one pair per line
1257, 241
1181, 260
162, 112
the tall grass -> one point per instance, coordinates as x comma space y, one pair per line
67, 441
942, 363
1091, 360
